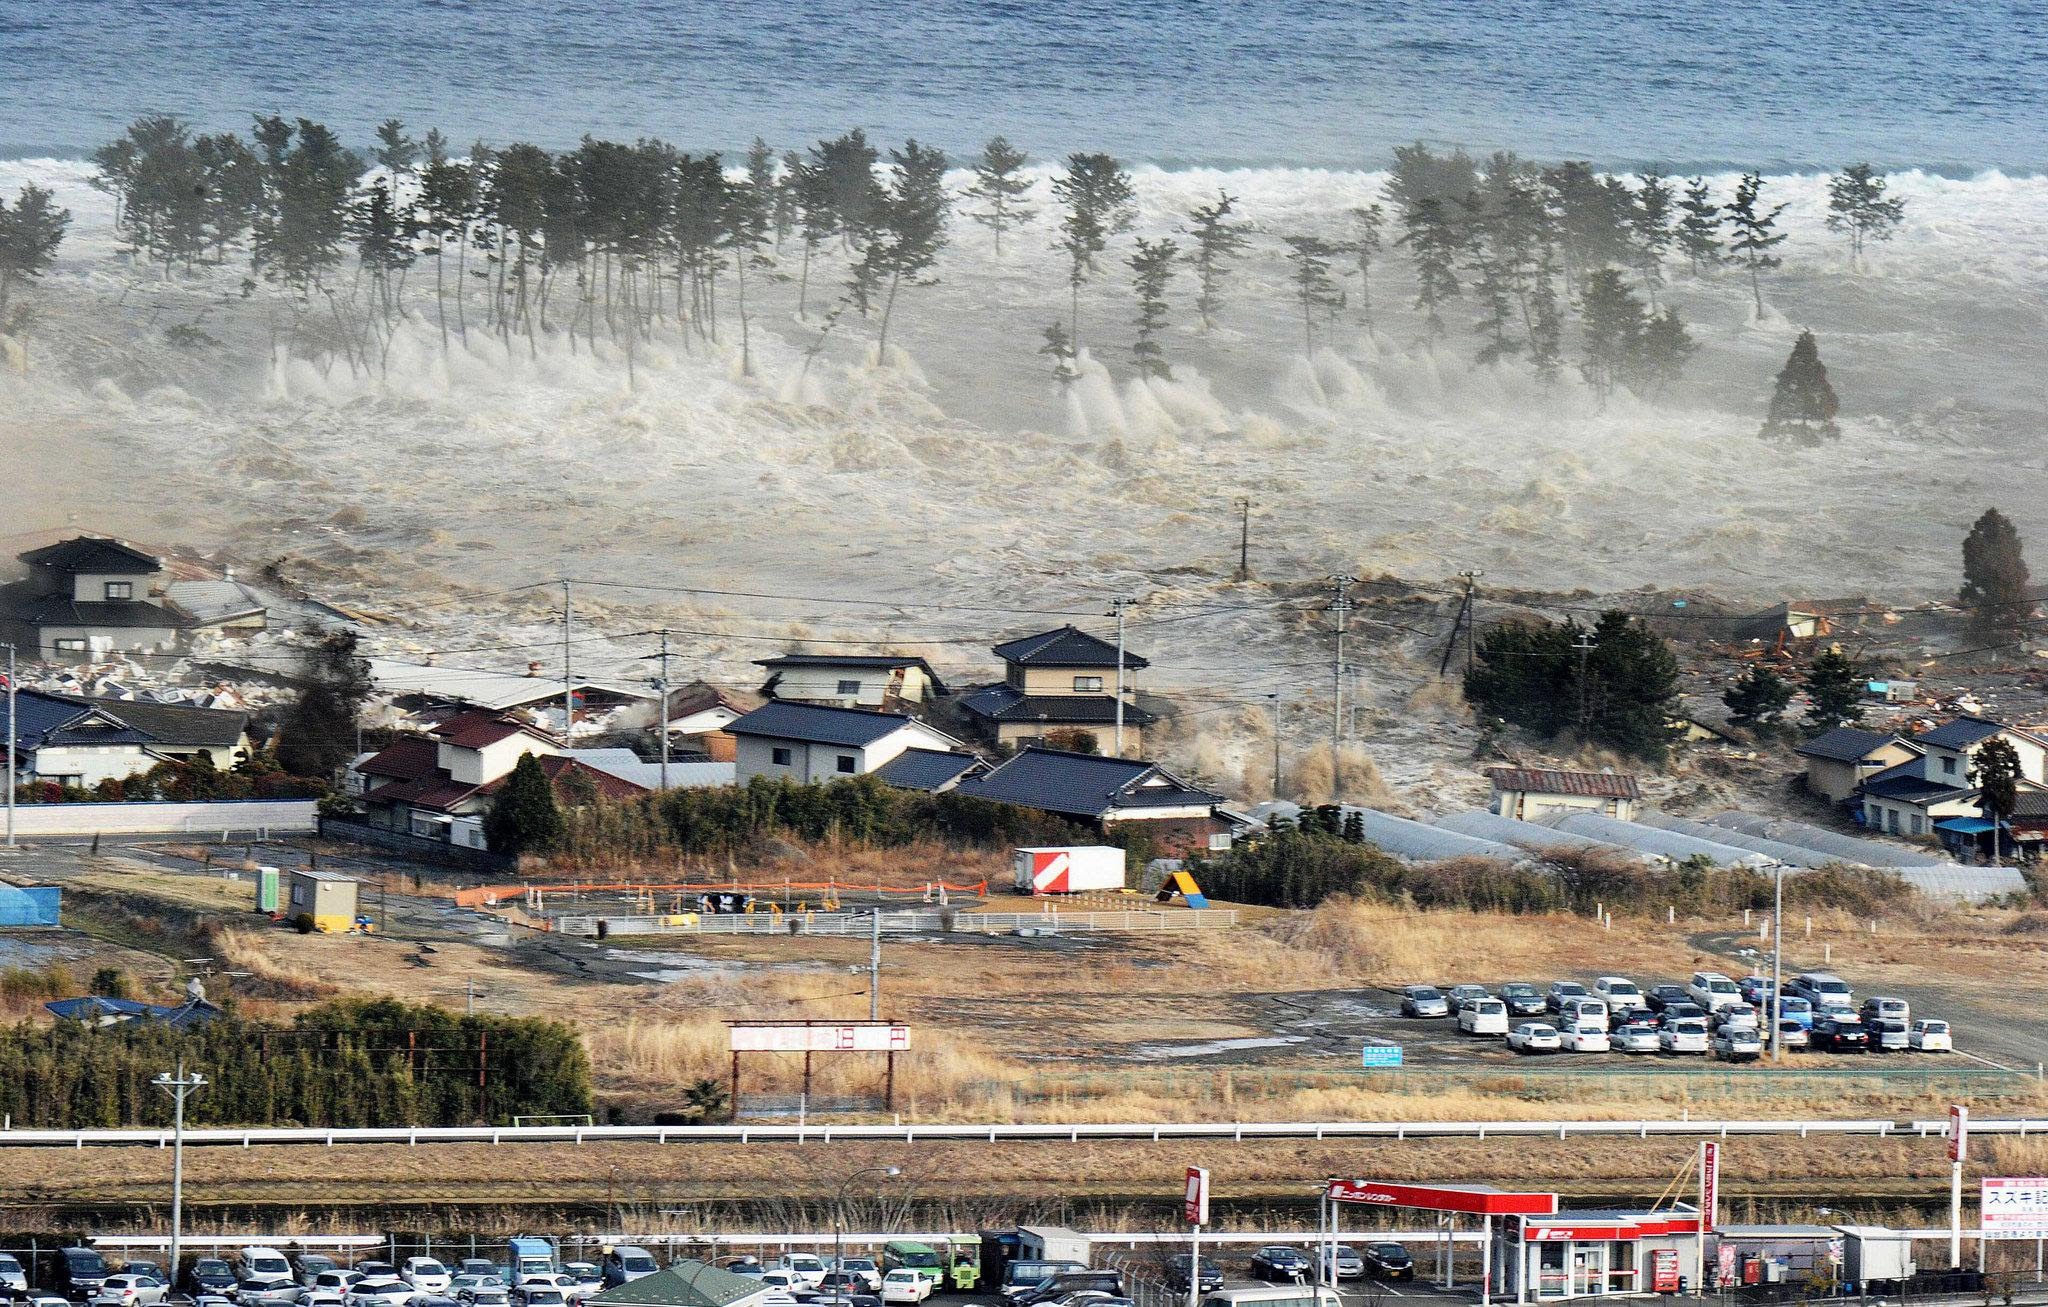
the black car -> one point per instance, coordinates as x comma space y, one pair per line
1686, 1011
1523, 999
1066, 1282
1661, 996
1211, 1278
209, 1275
1279, 1262
1840, 1034
78, 1272
1388, 1261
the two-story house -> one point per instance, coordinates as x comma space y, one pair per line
1933, 792
884, 682
813, 743
91, 595
1839, 761
1060, 686
80, 742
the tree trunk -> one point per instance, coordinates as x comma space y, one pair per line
888, 310
461, 285
739, 264
803, 287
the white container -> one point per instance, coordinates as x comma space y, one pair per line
1069, 869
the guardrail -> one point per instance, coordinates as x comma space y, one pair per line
936, 921
1233, 1131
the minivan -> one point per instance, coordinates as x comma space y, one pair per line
1820, 988
1021, 1277
78, 1272
264, 1264
625, 1263
1275, 1295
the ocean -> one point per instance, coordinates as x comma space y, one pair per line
1781, 85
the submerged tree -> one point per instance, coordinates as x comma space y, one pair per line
1100, 203
1834, 692
1859, 208
1151, 271
1435, 241
913, 225
1419, 174
1699, 226
318, 731
1803, 407
1651, 218
1217, 240
1758, 699
30, 232
1315, 290
396, 153
1612, 320
1368, 223
1613, 685
1000, 186
1995, 581
749, 210
1059, 347
1756, 233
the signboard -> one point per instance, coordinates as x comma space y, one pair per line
852, 1037
1958, 1132
1664, 1270
1710, 1182
1194, 1206
1724, 1273
2013, 1208
1632, 1227
1382, 1055
1837, 1249
1475, 1199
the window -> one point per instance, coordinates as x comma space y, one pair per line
849, 687
120, 590
1915, 823
71, 646
846, 763
1948, 766
1087, 685
780, 757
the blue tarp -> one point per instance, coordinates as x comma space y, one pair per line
33, 905
1965, 825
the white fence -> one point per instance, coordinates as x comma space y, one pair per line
1234, 1131
934, 921
213, 820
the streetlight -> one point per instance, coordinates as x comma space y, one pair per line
839, 1213
178, 1087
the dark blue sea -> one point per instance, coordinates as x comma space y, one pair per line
1954, 86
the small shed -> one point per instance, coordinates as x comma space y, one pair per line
329, 897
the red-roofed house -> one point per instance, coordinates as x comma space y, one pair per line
1530, 793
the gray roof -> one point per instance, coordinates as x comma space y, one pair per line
1083, 785
1844, 848
1004, 703
1483, 825
214, 601
1420, 842
926, 769
1651, 839
44, 719
94, 554
628, 766
20, 601
1845, 744
1907, 784
685, 1284
1069, 646
818, 724
1960, 733
1792, 855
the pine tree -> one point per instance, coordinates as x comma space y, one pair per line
447, 202
1000, 186
1834, 692
1151, 271
913, 224
1100, 203
1996, 772
1594, 218
749, 207
1661, 353
1859, 208
1434, 241
233, 177
1612, 319
1699, 226
308, 191
1546, 319
1995, 580
30, 233
1650, 218
1756, 233
1060, 348
853, 197
1418, 175
396, 153
787, 205
1757, 701
1217, 240
1803, 407
1368, 223
525, 817
1315, 291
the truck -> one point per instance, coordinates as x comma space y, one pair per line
1051, 1243
1874, 1255
1068, 868
529, 1255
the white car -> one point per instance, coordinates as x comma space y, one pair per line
130, 1291
1930, 1037
426, 1275
1582, 1012
327, 1298
268, 1293
1738, 1044
11, 1274
1792, 1035
1585, 1037
1713, 991
807, 1267
905, 1285
1741, 1015
789, 1282
1620, 994
382, 1292
461, 1286
1685, 1035
571, 1288
1486, 1016
1535, 1037
1635, 1037
335, 1281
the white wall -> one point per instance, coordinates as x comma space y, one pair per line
91, 764
91, 587
820, 762
196, 819
482, 766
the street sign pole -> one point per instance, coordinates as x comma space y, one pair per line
1195, 1208
1958, 1149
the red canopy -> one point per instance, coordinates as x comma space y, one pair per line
1478, 1200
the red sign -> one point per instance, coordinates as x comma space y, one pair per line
1437, 1198
1664, 1270
1958, 1132
1194, 1207
1710, 1182
1628, 1227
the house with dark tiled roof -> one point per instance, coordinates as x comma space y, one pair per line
808, 742
91, 595
80, 742
1532, 793
1933, 793
1109, 794
1839, 761
1061, 685
886, 682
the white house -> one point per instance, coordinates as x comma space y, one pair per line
808, 742
90, 595
80, 742
1531, 793
886, 682
1911, 798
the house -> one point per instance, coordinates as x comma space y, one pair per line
1916, 797
1802, 619
97, 1010
91, 595
79, 742
423, 687
888, 682
1532, 793
809, 742
438, 786
698, 714
930, 770
328, 897
1060, 686
687, 1283
630, 766
1111, 794
1838, 762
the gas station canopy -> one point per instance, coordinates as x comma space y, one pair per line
1473, 1199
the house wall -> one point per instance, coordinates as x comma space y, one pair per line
879, 686
88, 765
224, 756
331, 903
1908, 821
1060, 680
105, 639
755, 755
1524, 806
91, 587
482, 766
1019, 734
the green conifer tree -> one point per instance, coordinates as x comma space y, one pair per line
1803, 406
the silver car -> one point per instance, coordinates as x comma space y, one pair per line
130, 1291
268, 1293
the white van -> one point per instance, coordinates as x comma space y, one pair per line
262, 1264
1275, 1295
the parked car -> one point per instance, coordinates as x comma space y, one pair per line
1794, 1008
862, 1299
1424, 1001
1343, 1263
561, 1282
468, 1282
1620, 994
1584, 1036
1460, 995
125, 1290
79, 1272
839, 1283
1736, 1014
1840, 1032
743, 1264
1065, 1284
1028, 1274
1684, 1035
1635, 1037
306, 1267
1588, 1011
376, 1270
1388, 1261
385, 1292
12, 1276
624, 1263
329, 1298
208, 1275
1930, 1037
1820, 988
425, 1274
1535, 1037
865, 1270
1279, 1262
1734, 1043
269, 1293
1662, 996
789, 1282
479, 1266
1713, 991
905, 1285
807, 1267
1486, 1016
141, 1266
1755, 989
1560, 990
1791, 1034
1210, 1275
1523, 999
1888, 1035
1879, 1008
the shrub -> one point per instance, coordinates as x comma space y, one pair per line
304, 923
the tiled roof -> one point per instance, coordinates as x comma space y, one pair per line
43, 719
480, 727
1960, 733
177, 723
1845, 744
20, 601
1083, 785
842, 660
1069, 646
405, 759
1585, 784
925, 769
1907, 784
438, 792
818, 724
1004, 703
93, 554
559, 770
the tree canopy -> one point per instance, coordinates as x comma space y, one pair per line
1996, 589
1614, 684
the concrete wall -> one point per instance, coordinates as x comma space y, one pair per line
196, 819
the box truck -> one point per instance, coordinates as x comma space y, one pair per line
1069, 869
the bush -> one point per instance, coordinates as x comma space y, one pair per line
304, 923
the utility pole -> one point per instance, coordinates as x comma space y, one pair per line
1244, 538
661, 687
1777, 964
1584, 645
875, 964
1275, 697
1340, 609
10, 746
568, 690
1471, 576
1117, 607
179, 1087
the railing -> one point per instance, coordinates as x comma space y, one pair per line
1235, 1131
935, 921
